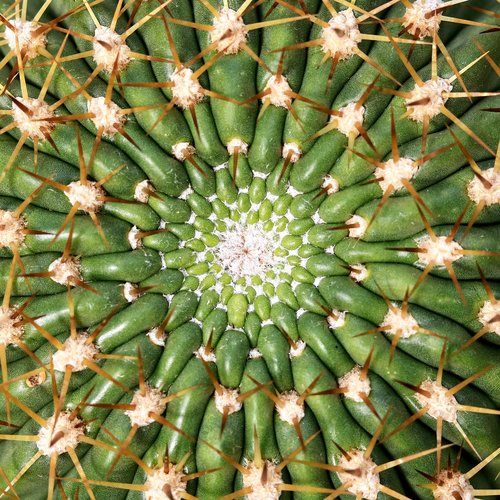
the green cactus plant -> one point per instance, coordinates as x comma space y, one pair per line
249, 249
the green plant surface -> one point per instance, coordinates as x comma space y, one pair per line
249, 249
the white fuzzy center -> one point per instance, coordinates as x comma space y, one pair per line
290, 409
65, 434
279, 92
489, 316
453, 484
65, 272
426, 101
296, 349
11, 229
108, 48
398, 322
182, 150
149, 402
336, 318
10, 330
330, 185
186, 90
89, 196
355, 385
247, 250
74, 353
292, 151
358, 273
350, 117
237, 146
162, 485
393, 173
229, 31
33, 121
142, 191
438, 251
439, 404
358, 226
364, 479
226, 401
205, 354
342, 36
419, 19
107, 116
488, 194
25, 37
264, 481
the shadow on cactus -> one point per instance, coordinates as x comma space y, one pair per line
249, 249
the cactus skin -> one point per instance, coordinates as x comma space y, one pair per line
249, 249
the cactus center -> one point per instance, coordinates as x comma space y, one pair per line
227, 400
106, 116
355, 384
485, 189
425, 101
146, 401
110, 49
453, 484
10, 330
229, 32
399, 322
88, 195
420, 20
165, 483
394, 173
25, 37
32, 117
74, 353
360, 472
351, 116
278, 92
65, 271
290, 407
186, 90
264, 481
66, 433
439, 403
438, 251
11, 229
341, 37
489, 316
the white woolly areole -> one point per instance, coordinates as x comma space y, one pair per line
89, 195
438, 251
149, 402
330, 185
349, 118
355, 385
10, 331
227, 400
358, 273
359, 226
404, 324
36, 124
292, 149
336, 318
133, 238
364, 478
279, 91
254, 354
107, 116
479, 193
108, 47
229, 31
65, 271
130, 292
25, 37
290, 410
427, 100
393, 173
163, 485
66, 434
296, 349
419, 19
439, 404
186, 90
489, 316
74, 353
247, 250
11, 229
236, 144
452, 484
143, 190
342, 36
156, 336
205, 355
183, 150
264, 481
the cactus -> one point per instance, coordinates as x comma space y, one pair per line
249, 249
